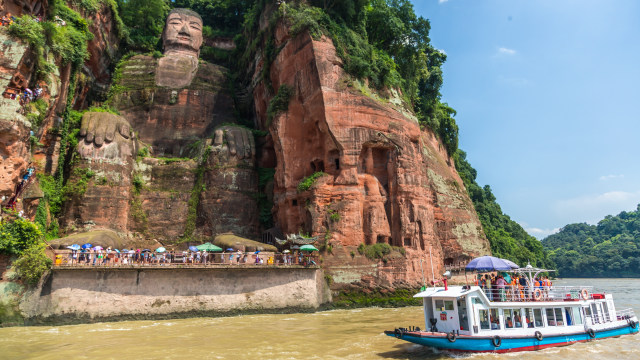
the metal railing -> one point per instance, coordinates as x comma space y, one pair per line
625, 314
64, 258
543, 293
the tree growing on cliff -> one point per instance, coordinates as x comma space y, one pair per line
21, 237
144, 20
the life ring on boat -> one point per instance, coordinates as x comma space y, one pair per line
585, 294
632, 324
537, 294
496, 341
538, 335
592, 334
399, 333
451, 336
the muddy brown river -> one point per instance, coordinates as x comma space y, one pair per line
338, 334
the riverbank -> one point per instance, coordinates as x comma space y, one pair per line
69, 295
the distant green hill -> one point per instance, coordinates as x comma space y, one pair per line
609, 249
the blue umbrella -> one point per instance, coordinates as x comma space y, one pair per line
87, 246
161, 249
487, 263
511, 263
230, 249
74, 247
118, 251
125, 251
193, 248
257, 252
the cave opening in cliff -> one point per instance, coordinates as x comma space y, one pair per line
317, 165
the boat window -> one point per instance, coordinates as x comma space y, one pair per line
594, 314
577, 317
484, 319
568, 314
559, 320
462, 314
605, 309
538, 316
551, 319
448, 305
495, 319
508, 318
529, 317
439, 305
476, 300
517, 320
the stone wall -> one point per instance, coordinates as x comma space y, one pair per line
72, 295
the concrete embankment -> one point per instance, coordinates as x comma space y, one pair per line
71, 295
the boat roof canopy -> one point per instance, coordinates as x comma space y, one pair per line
453, 291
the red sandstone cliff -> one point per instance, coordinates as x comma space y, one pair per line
387, 181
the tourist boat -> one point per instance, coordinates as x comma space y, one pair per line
468, 319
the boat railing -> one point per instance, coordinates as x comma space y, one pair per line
625, 314
516, 293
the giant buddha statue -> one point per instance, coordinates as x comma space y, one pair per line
176, 100
175, 106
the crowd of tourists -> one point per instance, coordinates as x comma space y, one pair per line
98, 256
513, 287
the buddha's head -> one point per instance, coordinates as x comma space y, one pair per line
182, 33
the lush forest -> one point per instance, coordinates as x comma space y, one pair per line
507, 238
609, 249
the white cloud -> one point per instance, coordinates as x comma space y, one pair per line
593, 208
442, 1
610, 177
541, 233
506, 51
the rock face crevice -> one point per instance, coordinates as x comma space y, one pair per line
386, 179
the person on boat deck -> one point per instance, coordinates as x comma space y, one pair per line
509, 323
500, 284
546, 284
523, 286
488, 282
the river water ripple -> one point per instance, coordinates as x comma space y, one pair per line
338, 334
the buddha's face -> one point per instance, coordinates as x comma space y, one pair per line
182, 33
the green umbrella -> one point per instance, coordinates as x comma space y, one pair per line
308, 248
208, 247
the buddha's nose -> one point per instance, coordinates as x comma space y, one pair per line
184, 30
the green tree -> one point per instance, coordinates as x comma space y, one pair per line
32, 264
18, 235
145, 21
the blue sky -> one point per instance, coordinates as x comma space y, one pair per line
547, 95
